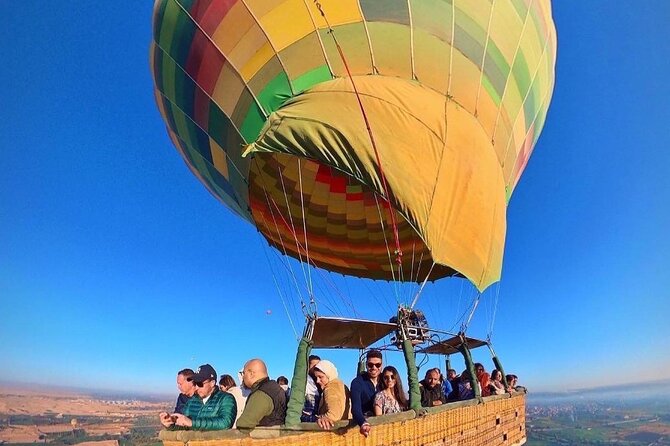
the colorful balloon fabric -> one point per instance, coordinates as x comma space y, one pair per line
267, 101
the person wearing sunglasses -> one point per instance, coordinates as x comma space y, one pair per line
363, 390
209, 409
392, 399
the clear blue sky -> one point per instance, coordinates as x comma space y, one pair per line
109, 246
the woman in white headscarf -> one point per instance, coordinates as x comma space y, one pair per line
334, 404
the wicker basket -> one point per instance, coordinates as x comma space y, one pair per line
498, 420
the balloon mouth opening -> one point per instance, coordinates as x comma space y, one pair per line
317, 214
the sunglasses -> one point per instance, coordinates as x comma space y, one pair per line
389, 378
201, 384
377, 365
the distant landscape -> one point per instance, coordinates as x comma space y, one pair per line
630, 415
63, 416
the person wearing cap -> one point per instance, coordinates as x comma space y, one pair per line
209, 409
334, 405
266, 404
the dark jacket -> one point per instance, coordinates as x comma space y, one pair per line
181, 403
218, 413
428, 395
266, 405
363, 397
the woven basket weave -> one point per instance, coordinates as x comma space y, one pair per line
498, 420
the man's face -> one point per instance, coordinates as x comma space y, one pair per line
374, 366
185, 386
432, 379
312, 363
451, 374
205, 388
248, 376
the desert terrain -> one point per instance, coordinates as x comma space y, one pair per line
30, 415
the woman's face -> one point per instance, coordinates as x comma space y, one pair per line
321, 378
389, 379
496, 376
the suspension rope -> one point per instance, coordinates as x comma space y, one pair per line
272, 203
387, 197
465, 325
279, 235
304, 230
495, 310
282, 261
465, 311
418, 293
293, 230
281, 295
380, 302
388, 251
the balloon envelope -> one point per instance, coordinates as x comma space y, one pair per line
257, 99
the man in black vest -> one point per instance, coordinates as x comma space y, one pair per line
266, 404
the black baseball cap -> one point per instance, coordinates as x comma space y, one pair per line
204, 373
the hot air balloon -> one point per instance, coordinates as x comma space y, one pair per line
352, 133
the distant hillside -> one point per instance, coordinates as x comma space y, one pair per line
619, 391
9, 388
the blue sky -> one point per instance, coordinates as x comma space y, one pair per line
118, 268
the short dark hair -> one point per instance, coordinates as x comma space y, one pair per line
374, 353
435, 370
282, 380
186, 373
313, 358
227, 381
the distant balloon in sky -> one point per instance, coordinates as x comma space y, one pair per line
311, 119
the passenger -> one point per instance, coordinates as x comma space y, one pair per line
465, 391
516, 386
479, 369
392, 398
496, 386
311, 393
266, 404
485, 383
446, 386
511, 382
335, 404
186, 389
211, 409
283, 383
454, 379
363, 390
228, 384
431, 390
245, 390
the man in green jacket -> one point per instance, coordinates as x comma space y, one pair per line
266, 404
209, 409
